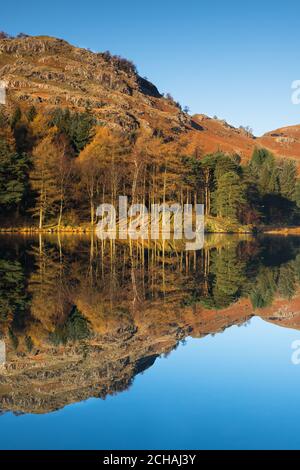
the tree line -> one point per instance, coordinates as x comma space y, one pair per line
56, 167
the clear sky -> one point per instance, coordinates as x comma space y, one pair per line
233, 59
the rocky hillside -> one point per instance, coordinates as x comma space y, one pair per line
49, 72
105, 365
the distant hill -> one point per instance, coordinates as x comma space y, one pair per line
284, 141
215, 134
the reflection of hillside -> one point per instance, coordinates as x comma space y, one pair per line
86, 319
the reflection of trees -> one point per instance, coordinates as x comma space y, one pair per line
74, 328
235, 271
75, 291
287, 281
264, 288
270, 281
228, 273
221, 280
14, 299
48, 285
99, 316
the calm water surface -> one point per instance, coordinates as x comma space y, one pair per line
117, 347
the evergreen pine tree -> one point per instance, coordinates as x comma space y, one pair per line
229, 196
14, 170
287, 178
31, 114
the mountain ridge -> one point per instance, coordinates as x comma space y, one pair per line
49, 72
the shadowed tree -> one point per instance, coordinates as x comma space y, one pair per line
229, 196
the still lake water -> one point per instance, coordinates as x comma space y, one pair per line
117, 347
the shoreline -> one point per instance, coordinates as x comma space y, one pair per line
88, 230
283, 231
19, 230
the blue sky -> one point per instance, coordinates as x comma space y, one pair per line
236, 60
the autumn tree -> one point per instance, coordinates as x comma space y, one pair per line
44, 178
100, 167
62, 165
207, 172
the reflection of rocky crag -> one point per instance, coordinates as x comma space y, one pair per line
126, 315
107, 364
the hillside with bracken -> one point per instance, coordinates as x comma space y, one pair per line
48, 72
216, 134
79, 128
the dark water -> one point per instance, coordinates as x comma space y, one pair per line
127, 347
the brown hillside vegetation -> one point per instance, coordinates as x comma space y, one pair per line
212, 135
98, 315
284, 141
48, 72
80, 128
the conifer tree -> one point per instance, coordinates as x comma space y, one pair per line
229, 196
14, 170
31, 114
16, 117
297, 193
287, 178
